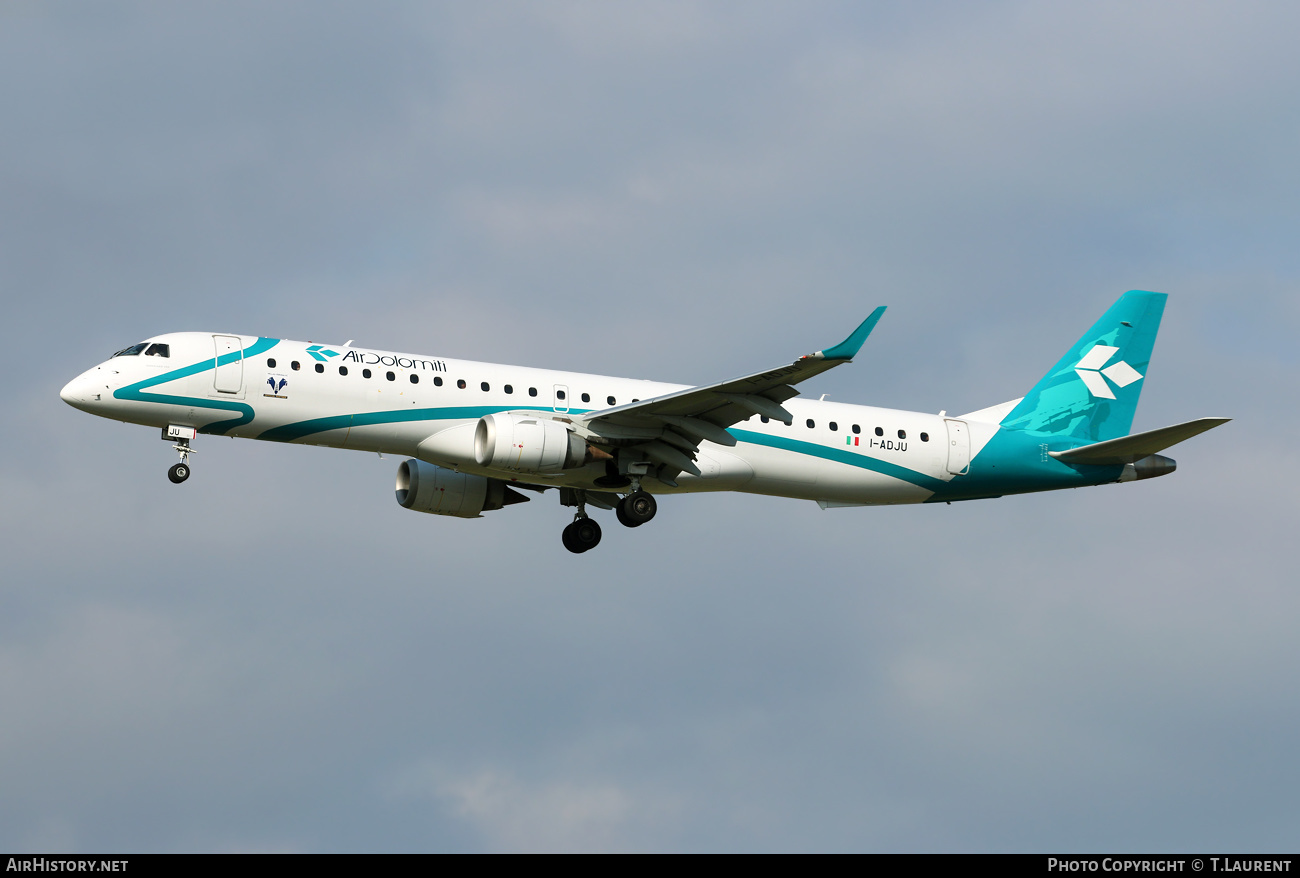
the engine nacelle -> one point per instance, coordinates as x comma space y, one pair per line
424, 487
527, 444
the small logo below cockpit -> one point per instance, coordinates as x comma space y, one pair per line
277, 385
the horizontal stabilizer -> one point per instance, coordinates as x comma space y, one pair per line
1128, 449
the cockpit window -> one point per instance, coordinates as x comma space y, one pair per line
158, 350
133, 351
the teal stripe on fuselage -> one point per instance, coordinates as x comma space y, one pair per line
1016, 462
303, 429
135, 392
862, 461
1011, 463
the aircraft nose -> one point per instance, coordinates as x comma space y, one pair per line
69, 393
80, 392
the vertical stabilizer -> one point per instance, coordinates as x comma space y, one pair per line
1092, 394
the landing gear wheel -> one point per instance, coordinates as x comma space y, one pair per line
636, 509
581, 536
179, 473
622, 517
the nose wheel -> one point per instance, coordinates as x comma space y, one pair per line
181, 471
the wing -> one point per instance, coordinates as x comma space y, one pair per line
668, 429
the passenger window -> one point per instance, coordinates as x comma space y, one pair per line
764, 418
270, 363
294, 366
532, 391
415, 379
879, 432
586, 397
343, 370
484, 387
559, 394
158, 350
902, 434
857, 429
508, 389
437, 380
810, 423
611, 401
319, 368
925, 437
460, 382
834, 426
365, 373
390, 376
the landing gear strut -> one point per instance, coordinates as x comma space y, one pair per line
584, 533
181, 471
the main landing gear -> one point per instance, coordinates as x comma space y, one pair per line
583, 534
636, 509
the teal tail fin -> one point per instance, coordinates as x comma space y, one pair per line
1092, 394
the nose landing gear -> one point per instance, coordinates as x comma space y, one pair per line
181, 471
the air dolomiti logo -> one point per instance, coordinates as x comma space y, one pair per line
320, 354
1120, 373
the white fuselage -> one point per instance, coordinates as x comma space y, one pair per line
427, 407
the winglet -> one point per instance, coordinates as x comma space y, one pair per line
848, 349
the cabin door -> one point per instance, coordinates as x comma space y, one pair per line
228, 376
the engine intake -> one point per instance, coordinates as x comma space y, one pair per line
424, 487
527, 444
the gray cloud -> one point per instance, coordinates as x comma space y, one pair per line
276, 657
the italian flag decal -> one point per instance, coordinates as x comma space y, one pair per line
850, 440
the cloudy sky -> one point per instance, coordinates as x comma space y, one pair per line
277, 657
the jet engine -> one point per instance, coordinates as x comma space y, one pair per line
527, 444
424, 487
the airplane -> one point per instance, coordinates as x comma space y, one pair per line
477, 434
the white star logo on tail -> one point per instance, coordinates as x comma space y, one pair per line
1121, 374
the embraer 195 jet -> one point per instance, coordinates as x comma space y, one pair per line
477, 432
